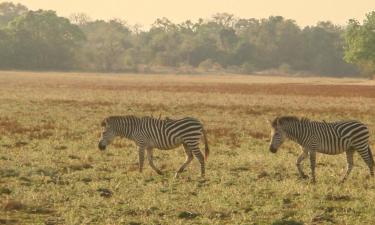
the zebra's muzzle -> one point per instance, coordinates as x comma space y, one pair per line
101, 146
272, 149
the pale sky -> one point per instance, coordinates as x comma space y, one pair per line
145, 12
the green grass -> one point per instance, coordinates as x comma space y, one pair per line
51, 171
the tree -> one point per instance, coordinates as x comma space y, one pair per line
106, 45
360, 44
42, 40
9, 11
162, 43
277, 41
323, 50
80, 19
5, 49
224, 19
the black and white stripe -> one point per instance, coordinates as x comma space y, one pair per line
327, 138
149, 133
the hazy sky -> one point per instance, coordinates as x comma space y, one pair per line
144, 12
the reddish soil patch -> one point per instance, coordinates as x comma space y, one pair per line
270, 89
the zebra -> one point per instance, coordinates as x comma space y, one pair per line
165, 134
328, 138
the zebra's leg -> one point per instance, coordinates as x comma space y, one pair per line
299, 163
349, 161
141, 154
151, 162
312, 155
366, 155
189, 158
198, 154
371, 165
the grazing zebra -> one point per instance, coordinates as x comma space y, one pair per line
327, 138
148, 133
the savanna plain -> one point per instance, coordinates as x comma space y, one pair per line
51, 171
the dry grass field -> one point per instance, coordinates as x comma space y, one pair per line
51, 171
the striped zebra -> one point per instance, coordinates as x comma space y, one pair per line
148, 133
323, 137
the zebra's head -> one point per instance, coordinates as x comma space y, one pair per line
277, 136
106, 136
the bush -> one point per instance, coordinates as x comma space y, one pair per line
248, 68
206, 64
285, 68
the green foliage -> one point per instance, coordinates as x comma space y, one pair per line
284, 68
206, 64
5, 49
248, 68
9, 11
323, 52
360, 44
42, 40
106, 45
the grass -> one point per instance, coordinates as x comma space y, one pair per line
51, 171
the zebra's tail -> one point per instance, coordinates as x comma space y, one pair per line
206, 149
370, 155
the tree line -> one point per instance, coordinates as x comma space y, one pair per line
41, 40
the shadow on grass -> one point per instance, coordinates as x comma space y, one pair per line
187, 215
286, 222
13, 205
8, 221
9, 173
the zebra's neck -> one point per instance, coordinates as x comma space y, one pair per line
135, 125
127, 126
295, 131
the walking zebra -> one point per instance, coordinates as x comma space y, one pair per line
148, 133
327, 138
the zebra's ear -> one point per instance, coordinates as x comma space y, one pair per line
104, 123
277, 121
268, 121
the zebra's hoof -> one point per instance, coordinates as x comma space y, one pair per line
159, 172
303, 177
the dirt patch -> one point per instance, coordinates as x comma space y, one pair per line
8, 221
9, 173
73, 103
78, 166
255, 110
5, 190
10, 205
41, 131
14, 205
268, 89
332, 197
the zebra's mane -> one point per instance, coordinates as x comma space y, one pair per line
111, 118
288, 119
159, 119
131, 117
